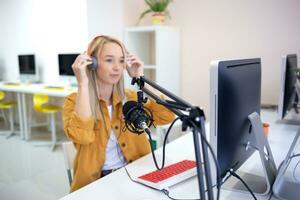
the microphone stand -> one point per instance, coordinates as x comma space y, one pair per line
195, 116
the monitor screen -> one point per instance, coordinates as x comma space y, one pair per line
26, 64
65, 62
287, 97
235, 92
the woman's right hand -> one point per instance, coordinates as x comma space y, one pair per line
79, 67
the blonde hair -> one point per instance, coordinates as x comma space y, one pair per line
95, 48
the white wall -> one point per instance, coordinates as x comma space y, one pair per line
63, 24
105, 18
14, 36
44, 28
49, 27
230, 29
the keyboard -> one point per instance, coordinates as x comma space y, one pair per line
169, 175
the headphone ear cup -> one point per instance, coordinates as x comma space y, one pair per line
94, 64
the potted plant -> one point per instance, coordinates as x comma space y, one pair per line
159, 11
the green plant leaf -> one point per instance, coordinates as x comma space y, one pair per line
151, 4
158, 5
165, 4
144, 13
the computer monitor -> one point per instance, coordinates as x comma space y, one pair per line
66, 73
65, 62
287, 97
235, 94
27, 68
235, 126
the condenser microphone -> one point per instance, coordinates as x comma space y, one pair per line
137, 118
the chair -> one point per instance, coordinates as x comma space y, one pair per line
69, 156
40, 104
7, 105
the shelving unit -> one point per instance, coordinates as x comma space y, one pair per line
159, 48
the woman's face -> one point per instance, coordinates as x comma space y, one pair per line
110, 63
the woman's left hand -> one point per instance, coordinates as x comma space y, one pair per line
134, 66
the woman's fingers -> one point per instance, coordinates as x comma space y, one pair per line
79, 67
134, 60
82, 61
134, 65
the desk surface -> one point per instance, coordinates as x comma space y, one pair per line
118, 185
37, 88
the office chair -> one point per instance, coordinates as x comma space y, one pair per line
40, 104
69, 156
7, 105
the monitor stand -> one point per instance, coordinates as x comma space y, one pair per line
259, 185
286, 187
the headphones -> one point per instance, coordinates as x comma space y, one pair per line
94, 64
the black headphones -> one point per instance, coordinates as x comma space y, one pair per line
94, 64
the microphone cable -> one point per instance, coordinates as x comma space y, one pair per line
218, 182
164, 146
244, 183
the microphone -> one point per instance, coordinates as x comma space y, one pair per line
137, 118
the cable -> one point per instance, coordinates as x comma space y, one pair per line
164, 146
295, 155
165, 191
245, 184
294, 172
137, 181
291, 157
205, 140
214, 157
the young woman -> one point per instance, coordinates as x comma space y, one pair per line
93, 117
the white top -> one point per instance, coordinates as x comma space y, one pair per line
113, 155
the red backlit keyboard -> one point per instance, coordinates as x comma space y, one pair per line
169, 175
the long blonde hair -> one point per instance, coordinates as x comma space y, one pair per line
95, 48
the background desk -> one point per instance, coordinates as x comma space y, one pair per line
23, 89
118, 186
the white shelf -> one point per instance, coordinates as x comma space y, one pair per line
159, 48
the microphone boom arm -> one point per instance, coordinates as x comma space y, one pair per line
195, 116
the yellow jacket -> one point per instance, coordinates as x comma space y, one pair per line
90, 137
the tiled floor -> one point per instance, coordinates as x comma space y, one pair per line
28, 172
31, 172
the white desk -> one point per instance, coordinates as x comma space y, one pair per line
23, 89
118, 186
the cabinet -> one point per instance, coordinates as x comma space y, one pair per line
159, 48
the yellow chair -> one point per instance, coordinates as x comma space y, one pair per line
7, 105
40, 104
